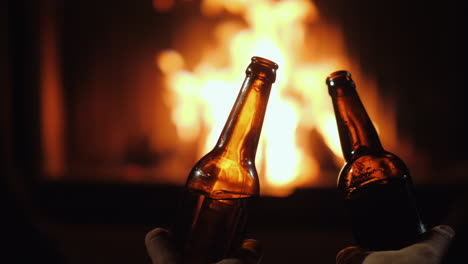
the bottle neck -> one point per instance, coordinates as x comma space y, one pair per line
357, 133
241, 133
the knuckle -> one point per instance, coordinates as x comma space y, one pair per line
424, 252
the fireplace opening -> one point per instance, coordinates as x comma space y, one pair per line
138, 93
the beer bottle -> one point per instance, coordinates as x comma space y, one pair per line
222, 185
376, 185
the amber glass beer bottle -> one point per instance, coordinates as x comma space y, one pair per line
375, 184
223, 184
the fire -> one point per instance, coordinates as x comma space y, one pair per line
299, 101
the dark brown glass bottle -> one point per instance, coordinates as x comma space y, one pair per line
375, 184
222, 185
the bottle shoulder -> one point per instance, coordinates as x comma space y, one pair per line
221, 177
372, 168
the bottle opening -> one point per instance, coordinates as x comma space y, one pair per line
262, 68
340, 83
264, 62
338, 76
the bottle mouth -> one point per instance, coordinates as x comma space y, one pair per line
340, 83
338, 76
262, 68
264, 62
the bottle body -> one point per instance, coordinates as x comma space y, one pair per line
222, 186
211, 222
375, 184
379, 198
209, 229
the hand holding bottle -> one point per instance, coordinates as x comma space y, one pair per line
375, 185
429, 250
159, 247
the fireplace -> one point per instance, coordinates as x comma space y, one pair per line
102, 95
138, 93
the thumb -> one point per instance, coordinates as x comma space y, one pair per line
159, 248
249, 253
440, 238
429, 250
351, 255
434, 243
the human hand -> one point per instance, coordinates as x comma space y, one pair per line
158, 245
430, 250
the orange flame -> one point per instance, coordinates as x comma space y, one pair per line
279, 31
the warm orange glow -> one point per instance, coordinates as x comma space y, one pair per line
280, 31
163, 5
51, 101
170, 61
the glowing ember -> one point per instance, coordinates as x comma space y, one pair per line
299, 101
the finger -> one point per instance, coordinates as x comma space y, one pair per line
440, 238
429, 250
351, 255
433, 246
230, 261
250, 252
159, 247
